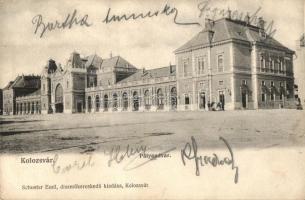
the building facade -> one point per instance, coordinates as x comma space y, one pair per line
235, 64
300, 69
1, 102
20, 87
229, 65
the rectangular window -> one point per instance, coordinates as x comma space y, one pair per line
220, 63
263, 83
272, 84
220, 82
280, 65
276, 67
272, 96
185, 68
262, 64
200, 65
244, 82
267, 64
271, 64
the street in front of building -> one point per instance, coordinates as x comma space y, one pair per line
93, 132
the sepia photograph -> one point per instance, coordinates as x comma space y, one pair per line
131, 99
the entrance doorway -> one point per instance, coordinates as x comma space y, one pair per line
135, 101
79, 107
244, 99
105, 102
222, 100
89, 104
59, 105
174, 98
125, 101
160, 103
202, 100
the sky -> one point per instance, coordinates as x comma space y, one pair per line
148, 42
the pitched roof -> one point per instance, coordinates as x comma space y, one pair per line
116, 61
75, 60
35, 93
8, 86
93, 60
150, 74
226, 29
24, 82
97, 62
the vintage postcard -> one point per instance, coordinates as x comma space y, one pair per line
145, 99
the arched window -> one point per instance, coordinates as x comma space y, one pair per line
97, 103
125, 101
59, 94
160, 99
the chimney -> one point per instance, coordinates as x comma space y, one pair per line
143, 70
170, 68
229, 13
261, 26
261, 23
208, 25
210, 35
302, 41
247, 19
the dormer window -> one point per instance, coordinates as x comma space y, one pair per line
262, 33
